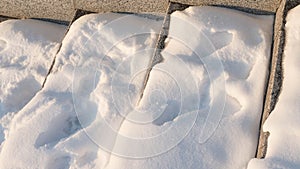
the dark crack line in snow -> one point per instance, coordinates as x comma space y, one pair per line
77, 14
52, 65
156, 57
160, 43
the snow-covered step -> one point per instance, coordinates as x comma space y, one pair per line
276, 72
219, 77
27, 48
49, 139
100, 69
283, 123
96, 48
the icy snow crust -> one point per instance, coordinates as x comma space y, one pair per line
200, 109
283, 123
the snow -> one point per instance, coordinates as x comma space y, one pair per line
200, 108
283, 123
217, 138
25, 58
91, 53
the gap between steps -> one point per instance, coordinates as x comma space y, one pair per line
77, 14
276, 73
160, 43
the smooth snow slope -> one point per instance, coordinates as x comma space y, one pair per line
283, 123
200, 109
27, 49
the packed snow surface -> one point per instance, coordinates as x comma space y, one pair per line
283, 123
200, 108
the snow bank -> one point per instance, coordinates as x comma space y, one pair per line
283, 123
200, 109
27, 48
